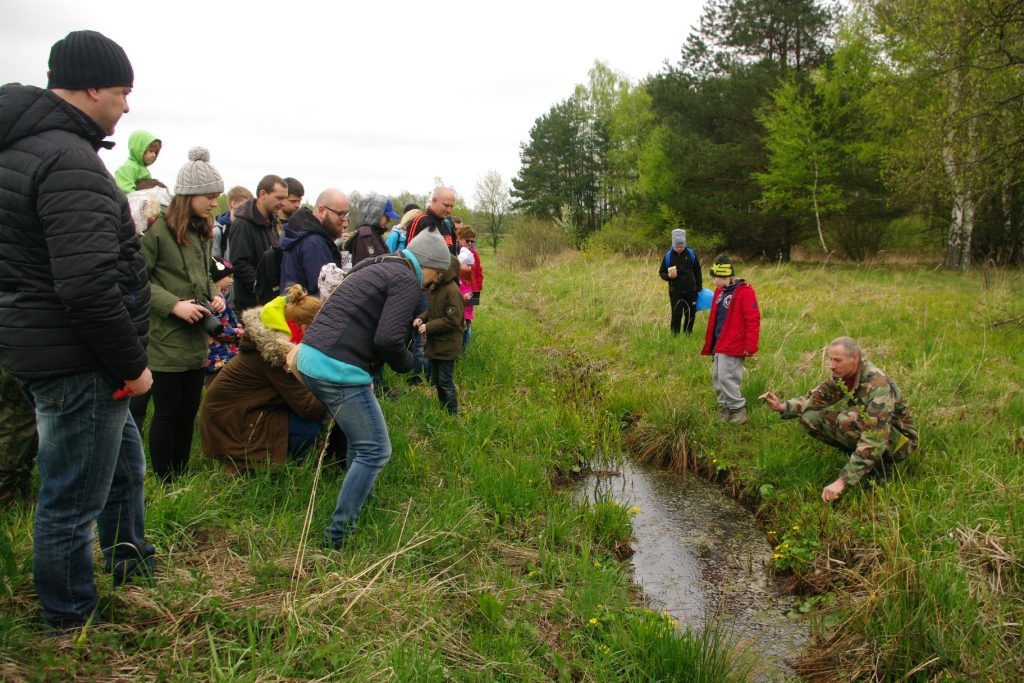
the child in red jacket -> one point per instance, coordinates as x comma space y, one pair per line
734, 328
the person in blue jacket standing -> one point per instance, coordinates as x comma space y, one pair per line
680, 268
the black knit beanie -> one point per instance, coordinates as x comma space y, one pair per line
87, 59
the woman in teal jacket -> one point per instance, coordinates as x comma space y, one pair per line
177, 248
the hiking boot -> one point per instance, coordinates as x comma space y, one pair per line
724, 413
738, 416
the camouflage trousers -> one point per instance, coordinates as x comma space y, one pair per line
841, 429
18, 439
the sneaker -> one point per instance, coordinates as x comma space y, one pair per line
738, 416
724, 413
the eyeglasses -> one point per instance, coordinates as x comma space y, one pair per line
341, 214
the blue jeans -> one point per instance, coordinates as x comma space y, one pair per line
356, 411
91, 467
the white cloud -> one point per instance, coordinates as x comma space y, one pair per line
367, 96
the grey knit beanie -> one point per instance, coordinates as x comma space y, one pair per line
87, 59
430, 250
678, 237
198, 176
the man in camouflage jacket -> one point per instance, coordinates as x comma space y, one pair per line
858, 410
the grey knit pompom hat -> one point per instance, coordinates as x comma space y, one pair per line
198, 176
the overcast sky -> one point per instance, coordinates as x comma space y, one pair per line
367, 96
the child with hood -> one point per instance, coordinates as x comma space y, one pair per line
143, 149
256, 413
443, 324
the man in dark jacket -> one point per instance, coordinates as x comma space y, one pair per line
308, 241
74, 310
253, 231
442, 201
362, 326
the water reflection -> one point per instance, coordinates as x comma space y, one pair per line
697, 552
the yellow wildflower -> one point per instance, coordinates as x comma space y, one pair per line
593, 620
796, 527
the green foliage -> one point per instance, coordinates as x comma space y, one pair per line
802, 165
626, 235
796, 550
532, 243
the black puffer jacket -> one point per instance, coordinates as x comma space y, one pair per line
74, 293
366, 320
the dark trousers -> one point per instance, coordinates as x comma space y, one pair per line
683, 304
442, 375
176, 397
138, 406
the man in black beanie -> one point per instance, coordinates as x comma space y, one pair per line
74, 315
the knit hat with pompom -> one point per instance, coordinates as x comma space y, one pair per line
198, 176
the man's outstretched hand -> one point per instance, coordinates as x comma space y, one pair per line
772, 401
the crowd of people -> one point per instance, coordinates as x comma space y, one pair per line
268, 322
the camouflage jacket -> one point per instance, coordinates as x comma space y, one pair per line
884, 417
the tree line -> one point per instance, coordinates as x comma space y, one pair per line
891, 124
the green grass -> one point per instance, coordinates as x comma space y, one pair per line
475, 563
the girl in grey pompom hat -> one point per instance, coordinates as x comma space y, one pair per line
184, 310
198, 176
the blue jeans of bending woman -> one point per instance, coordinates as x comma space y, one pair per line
356, 411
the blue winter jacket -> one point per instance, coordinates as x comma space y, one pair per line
305, 248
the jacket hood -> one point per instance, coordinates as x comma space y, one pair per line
249, 212
26, 110
273, 345
371, 208
452, 273
301, 225
138, 142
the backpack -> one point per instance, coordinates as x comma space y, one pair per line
268, 275
668, 256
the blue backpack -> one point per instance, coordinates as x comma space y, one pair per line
668, 256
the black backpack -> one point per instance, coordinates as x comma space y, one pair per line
268, 275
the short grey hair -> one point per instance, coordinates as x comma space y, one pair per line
849, 345
438, 190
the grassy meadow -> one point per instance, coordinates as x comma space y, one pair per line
474, 562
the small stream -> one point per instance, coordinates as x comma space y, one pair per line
697, 552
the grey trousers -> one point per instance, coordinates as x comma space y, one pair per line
726, 377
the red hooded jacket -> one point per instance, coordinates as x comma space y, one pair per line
742, 329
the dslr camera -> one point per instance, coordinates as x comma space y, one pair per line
209, 323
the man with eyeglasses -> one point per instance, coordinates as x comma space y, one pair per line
309, 238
